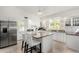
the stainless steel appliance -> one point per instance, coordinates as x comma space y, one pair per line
8, 33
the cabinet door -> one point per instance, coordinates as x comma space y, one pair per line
55, 36
61, 37
68, 22
76, 21
47, 44
73, 42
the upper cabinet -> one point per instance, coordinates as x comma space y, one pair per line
68, 22
74, 21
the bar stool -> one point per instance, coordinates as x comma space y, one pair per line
23, 41
31, 44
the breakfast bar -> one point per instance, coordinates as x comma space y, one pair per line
46, 40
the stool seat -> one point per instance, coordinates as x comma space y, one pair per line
34, 43
31, 43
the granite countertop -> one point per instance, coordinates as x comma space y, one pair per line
72, 34
63, 31
42, 34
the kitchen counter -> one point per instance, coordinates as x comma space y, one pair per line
72, 34
58, 31
42, 34
46, 39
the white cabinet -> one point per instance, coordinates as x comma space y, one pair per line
54, 36
68, 22
72, 42
73, 21
59, 36
71, 25
47, 44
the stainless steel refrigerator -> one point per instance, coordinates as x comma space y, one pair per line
8, 33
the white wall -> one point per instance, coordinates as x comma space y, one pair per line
35, 20
11, 12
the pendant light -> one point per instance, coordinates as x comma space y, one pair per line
39, 12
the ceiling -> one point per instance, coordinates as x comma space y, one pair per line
46, 10
31, 11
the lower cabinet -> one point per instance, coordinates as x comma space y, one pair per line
59, 36
47, 44
72, 42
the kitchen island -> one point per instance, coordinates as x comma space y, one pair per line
46, 39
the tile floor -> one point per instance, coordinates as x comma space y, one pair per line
58, 47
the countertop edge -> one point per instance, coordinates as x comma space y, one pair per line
43, 36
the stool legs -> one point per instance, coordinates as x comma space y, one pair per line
40, 47
31, 49
22, 44
25, 48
